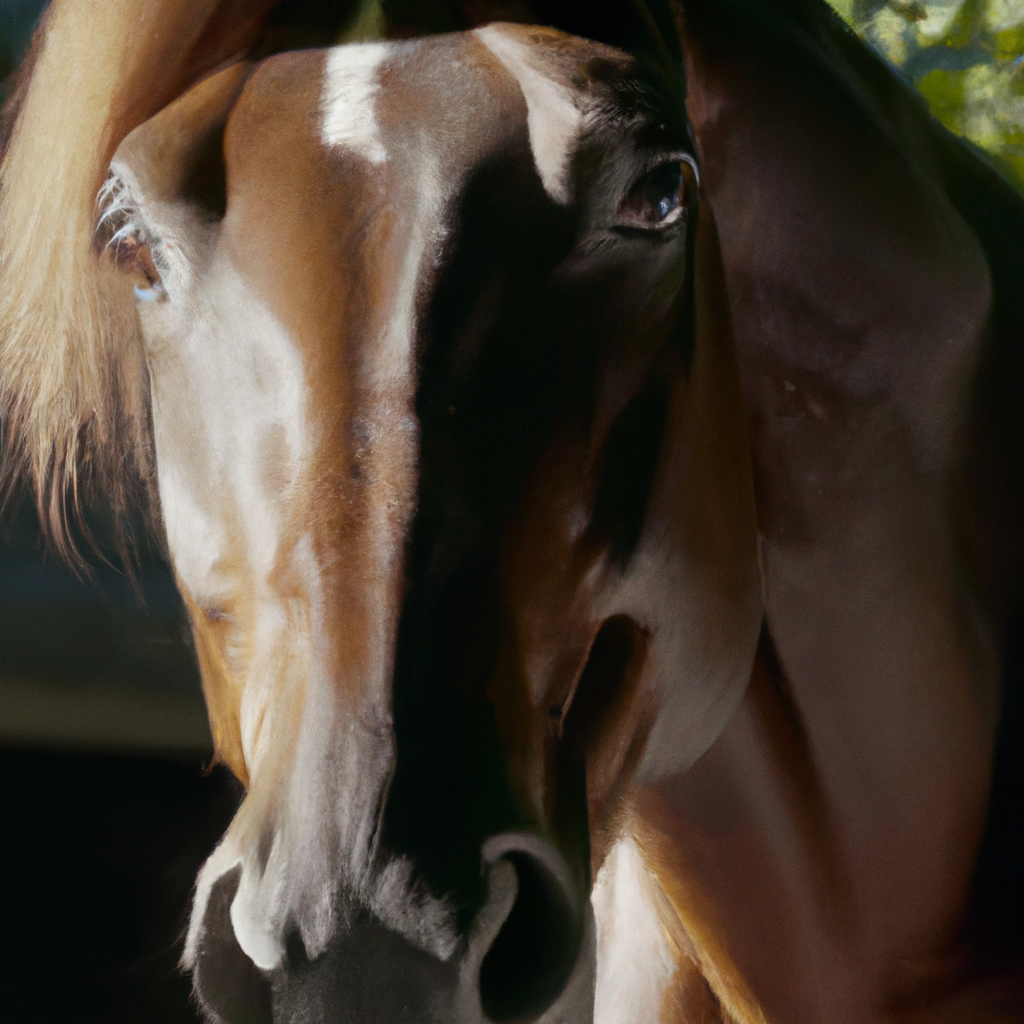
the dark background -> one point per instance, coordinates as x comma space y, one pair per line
108, 806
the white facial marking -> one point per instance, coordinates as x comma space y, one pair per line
350, 89
635, 962
234, 446
247, 392
228, 387
553, 119
322, 816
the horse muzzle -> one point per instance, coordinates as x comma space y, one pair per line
528, 957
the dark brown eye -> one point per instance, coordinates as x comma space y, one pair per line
658, 199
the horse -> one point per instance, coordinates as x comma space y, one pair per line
552, 515
376, 324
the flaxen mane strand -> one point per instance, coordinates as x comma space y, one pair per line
71, 369
72, 374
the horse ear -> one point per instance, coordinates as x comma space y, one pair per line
72, 382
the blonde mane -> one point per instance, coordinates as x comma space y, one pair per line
73, 387
72, 376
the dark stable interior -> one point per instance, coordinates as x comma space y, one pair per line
99, 845
98, 855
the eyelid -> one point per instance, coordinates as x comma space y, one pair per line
129, 242
655, 159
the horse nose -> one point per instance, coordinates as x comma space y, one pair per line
531, 954
529, 958
369, 975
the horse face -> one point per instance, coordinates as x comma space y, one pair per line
456, 495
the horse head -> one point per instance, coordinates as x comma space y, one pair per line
437, 392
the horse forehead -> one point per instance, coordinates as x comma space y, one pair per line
337, 162
379, 103
344, 167
448, 102
375, 92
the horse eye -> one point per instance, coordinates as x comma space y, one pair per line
133, 257
658, 199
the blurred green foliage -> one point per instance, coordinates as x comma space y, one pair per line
967, 59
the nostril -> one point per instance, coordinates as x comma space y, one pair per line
533, 955
227, 984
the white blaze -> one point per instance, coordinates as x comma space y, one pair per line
553, 119
351, 83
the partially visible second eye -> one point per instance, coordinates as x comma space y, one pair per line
659, 198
